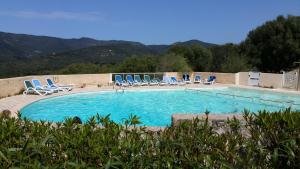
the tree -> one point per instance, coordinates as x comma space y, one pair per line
87, 68
173, 63
198, 57
227, 58
275, 45
234, 63
138, 64
203, 58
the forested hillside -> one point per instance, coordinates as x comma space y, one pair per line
27, 54
271, 47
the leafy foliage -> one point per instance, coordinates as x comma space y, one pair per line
231, 59
173, 63
138, 64
86, 68
275, 45
264, 140
198, 57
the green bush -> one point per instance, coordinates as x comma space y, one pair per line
263, 140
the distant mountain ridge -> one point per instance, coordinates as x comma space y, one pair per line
194, 42
20, 46
22, 54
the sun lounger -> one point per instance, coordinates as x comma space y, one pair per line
60, 87
197, 79
30, 89
38, 85
149, 81
186, 78
159, 82
178, 82
120, 82
211, 80
131, 82
166, 81
170, 81
138, 79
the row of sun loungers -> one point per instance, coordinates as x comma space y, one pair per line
137, 81
36, 87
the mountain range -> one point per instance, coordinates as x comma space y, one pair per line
19, 46
19, 50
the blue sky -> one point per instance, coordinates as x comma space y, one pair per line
149, 22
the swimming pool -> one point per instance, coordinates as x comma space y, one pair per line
155, 107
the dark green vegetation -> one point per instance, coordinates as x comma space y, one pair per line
27, 55
275, 45
266, 140
272, 47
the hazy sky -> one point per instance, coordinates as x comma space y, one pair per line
150, 22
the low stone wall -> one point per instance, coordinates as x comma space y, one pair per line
243, 78
271, 80
214, 119
87, 79
224, 78
13, 86
178, 75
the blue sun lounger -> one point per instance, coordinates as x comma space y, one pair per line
120, 82
177, 82
137, 78
148, 80
131, 82
197, 79
30, 89
37, 84
211, 80
164, 81
58, 86
186, 78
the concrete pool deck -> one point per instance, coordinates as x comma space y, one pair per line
15, 103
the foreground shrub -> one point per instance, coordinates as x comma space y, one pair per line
265, 140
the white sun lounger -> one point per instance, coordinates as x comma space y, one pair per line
149, 81
37, 84
30, 89
137, 78
197, 79
58, 86
178, 82
210, 80
120, 82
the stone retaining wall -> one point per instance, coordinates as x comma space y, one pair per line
270, 80
13, 86
214, 119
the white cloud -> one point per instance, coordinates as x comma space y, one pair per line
62, 15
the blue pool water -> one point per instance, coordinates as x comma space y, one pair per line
155, 107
